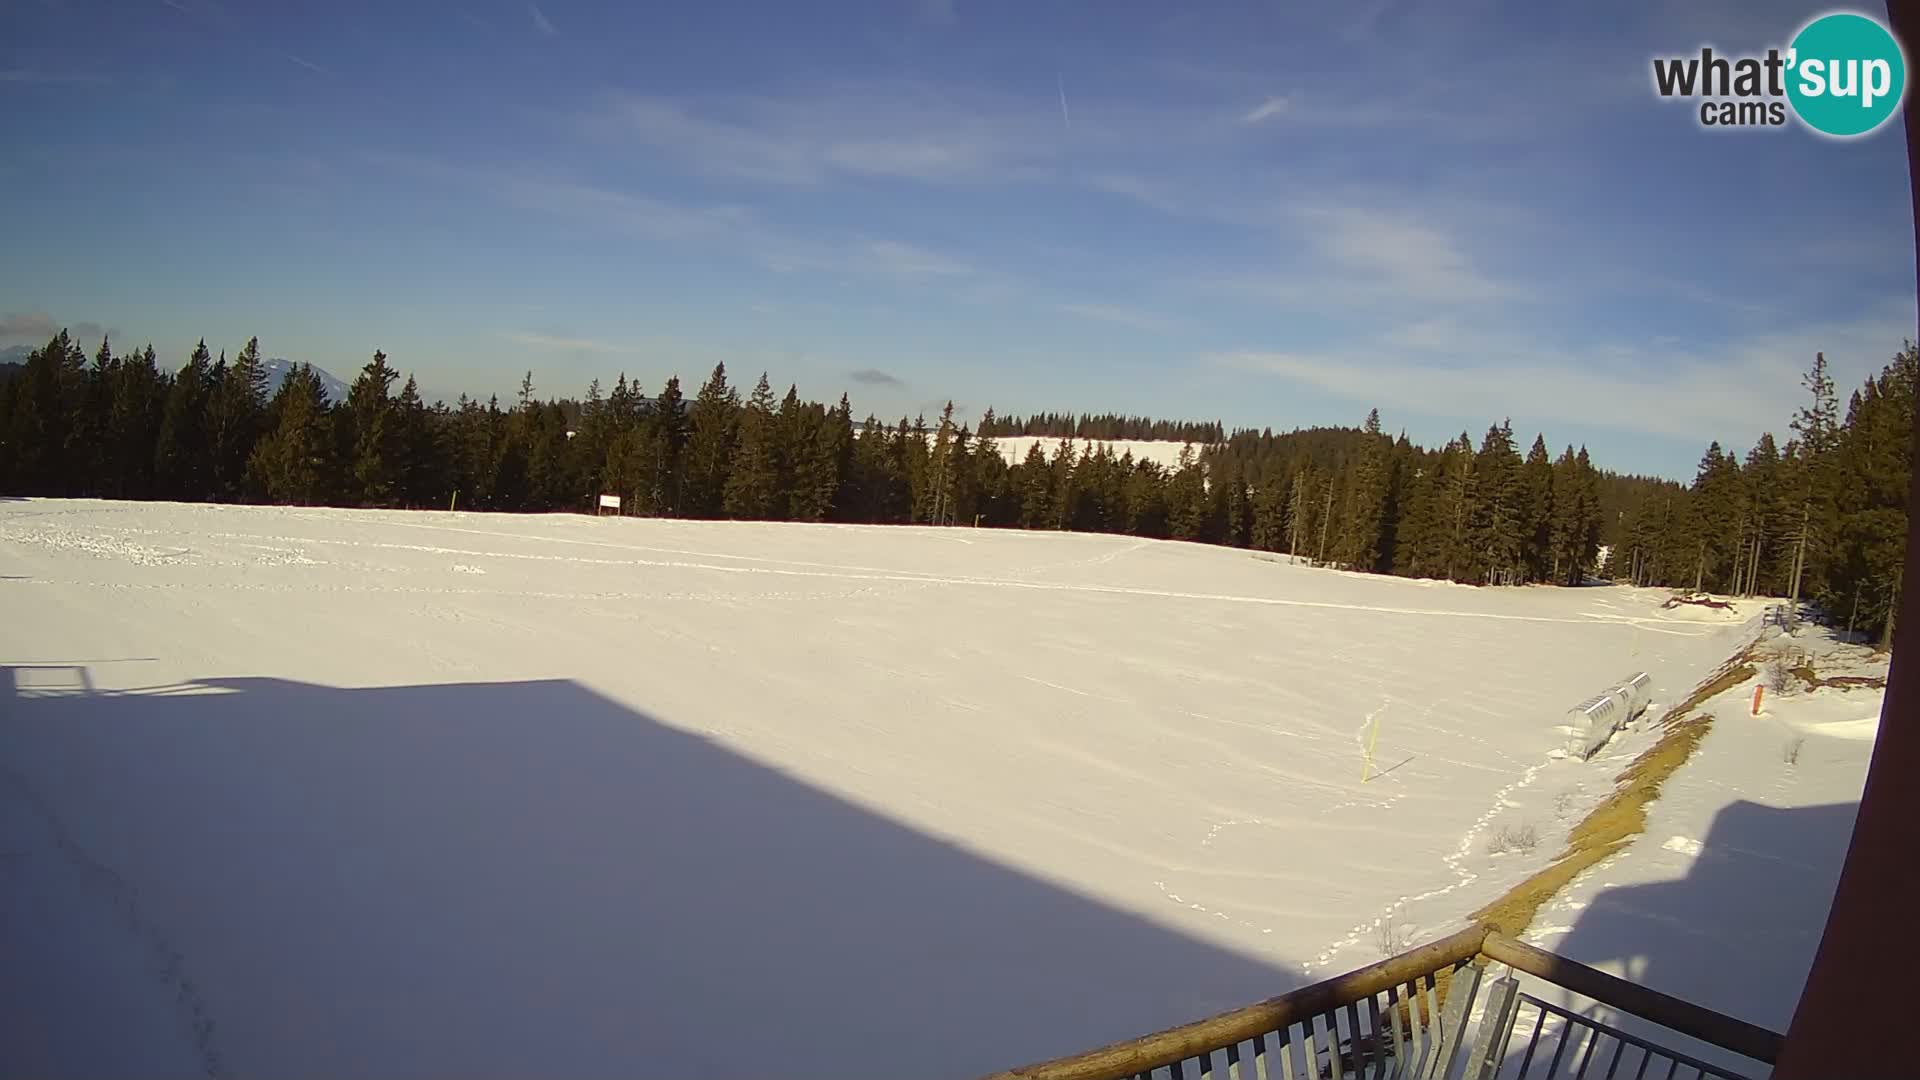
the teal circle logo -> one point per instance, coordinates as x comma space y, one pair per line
1845, 74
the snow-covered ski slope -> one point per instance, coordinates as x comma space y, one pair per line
302, 792
1162, 452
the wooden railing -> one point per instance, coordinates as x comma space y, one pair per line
1406, 1017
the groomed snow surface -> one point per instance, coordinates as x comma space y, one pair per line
290, 792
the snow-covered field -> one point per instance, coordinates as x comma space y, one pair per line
311, 792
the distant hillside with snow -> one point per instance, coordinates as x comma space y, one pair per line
1163, 452
280, 367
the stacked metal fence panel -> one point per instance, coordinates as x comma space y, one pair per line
1592, 722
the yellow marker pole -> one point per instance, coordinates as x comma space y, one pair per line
455, 499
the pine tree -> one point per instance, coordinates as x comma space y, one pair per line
669, 423
1187, 498
181, 463
1537, 524
1767, 518
1715, 515
989, 481
1873, 472
1817, 427
369, 415
1456, 501
1498, 520
235, 411
139, 400
822, 462
753, 480
419, 472
937, 502
291, 463
712, 423
1359, 547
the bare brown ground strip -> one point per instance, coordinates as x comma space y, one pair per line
1624, 813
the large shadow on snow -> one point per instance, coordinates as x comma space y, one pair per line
1738, 932
520, 879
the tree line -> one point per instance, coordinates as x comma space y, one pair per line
1822, 516
1103, 426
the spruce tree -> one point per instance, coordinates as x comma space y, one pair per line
139, 400
712, 422
1873, 480
369, 415
1035, 482
1816, 426
1537, 526
753, 479
669, 423
180, 464
1187, 509
235, 412
1364, 520
291, 463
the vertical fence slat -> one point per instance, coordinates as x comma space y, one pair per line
1383, 1054
1233, 1061
1592, 1043
1260, 1058
1453, 1019
1402, 1041
1285, 1050
1357, 1054
1619, 1047
1416, 1021
1312, 1045
1533, 1043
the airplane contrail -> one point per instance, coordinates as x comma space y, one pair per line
1065, 116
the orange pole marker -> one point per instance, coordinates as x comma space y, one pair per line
1757, 692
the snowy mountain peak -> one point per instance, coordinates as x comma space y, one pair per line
280, 367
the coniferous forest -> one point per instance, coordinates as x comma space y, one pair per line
1826, 508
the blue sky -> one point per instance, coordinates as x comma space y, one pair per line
1265, 213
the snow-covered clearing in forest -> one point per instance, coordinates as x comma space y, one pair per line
1163, 452
309, 792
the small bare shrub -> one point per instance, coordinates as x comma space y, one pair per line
1563, 803
1790, 751
1390, 937
1780, 678
1507, 838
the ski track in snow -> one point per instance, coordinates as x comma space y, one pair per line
781, 567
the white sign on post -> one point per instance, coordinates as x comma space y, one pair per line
610, 502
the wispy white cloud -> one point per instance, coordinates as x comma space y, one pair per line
308, 64
885, 258
563, 343
876, 134
1730, 391
619, 209
1121, 316
1412, 258
1266, 110
540, 21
